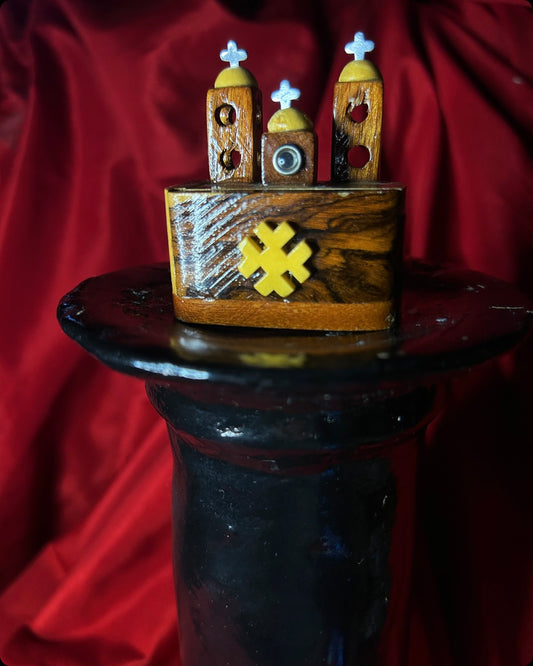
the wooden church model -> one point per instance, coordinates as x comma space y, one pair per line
262, 244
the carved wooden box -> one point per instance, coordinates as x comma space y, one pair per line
323, 257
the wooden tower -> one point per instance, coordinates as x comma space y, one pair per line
234, 121
288, 149
357, 117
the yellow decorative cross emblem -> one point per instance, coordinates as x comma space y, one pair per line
274, 260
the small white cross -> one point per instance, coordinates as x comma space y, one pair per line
359, 46
233, 54
285, 95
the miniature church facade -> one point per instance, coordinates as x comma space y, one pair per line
262, 244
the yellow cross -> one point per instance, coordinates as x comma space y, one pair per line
274, 260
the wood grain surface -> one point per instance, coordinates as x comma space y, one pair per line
234, 126
355, 233
348, 133
305, 141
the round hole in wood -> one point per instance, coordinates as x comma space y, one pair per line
358, 156
225, 115
358, 113
230, 159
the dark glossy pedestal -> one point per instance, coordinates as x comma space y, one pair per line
295, 459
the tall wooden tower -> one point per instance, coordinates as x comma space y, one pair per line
357, 116
234, 121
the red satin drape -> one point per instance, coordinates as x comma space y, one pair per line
101, 106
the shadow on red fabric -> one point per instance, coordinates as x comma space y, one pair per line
101, 107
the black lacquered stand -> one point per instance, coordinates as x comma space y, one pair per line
295, 459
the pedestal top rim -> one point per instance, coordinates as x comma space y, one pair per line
450, 319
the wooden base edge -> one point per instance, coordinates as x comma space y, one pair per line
375, 316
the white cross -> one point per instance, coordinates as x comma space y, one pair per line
233, 54
285, 94
359, 46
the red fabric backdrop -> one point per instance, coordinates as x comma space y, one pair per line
101, 106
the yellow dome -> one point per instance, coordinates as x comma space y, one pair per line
360, 70
285, 120
235, 76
